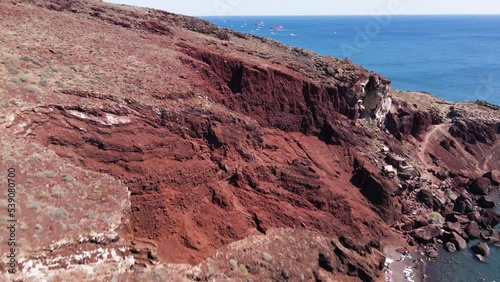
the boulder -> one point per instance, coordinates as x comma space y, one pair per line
420, 221
451, 194
441, 174
454, 226
480, 186
495, 237
474, 216
450, 247
463, 204
490, 218
481, 249
426, 197
394, 160
494, 176
408, 172
457, 218
472, 230
439, 201
456, 239
447, 209
436, 219
486, 202
485, 234
427, 233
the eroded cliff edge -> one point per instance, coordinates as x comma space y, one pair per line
153, 144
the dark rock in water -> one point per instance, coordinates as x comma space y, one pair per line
494, 176
485, 234
480, 257
494, 238
481, 249
480, 186
454, 226
425, 196
450, 247
486, 202
427, 233
490, 218
456, 239
496, 234
472, 230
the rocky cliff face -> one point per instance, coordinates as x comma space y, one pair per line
158, 145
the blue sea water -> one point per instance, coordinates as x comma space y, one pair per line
456, 58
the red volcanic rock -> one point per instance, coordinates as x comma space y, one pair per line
456, 239
214, 146
407, 122
376, 188
490, 218
472, 132
480, 186
474, 216
472, 230
427, 233
463, 204
454, 226
426, 197
457, 218
420, 221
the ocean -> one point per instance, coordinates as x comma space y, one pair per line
456, 58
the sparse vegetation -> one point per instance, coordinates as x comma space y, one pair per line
57, 213
45, 174
31, 89
68, 178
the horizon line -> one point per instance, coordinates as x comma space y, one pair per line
343, 15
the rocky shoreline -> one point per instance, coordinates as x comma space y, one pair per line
449, 209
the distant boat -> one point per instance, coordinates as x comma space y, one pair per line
261, 23
279, 27
292, 34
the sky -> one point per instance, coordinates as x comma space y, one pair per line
319, 7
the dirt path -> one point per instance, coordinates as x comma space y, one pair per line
425, 143
487, 157
423, 149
